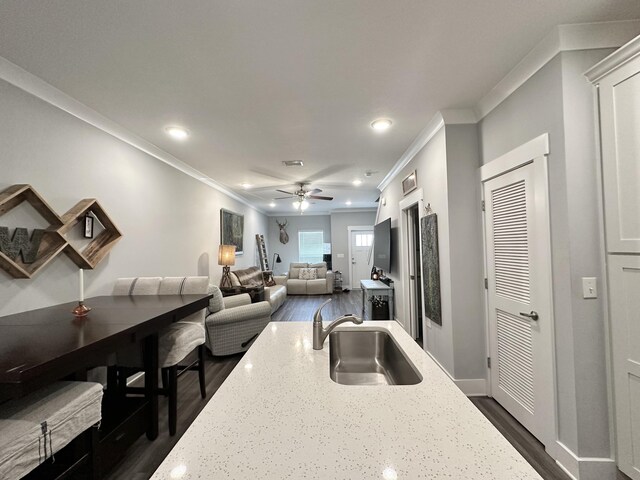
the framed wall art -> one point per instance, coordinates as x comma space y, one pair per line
232, 229
410, 183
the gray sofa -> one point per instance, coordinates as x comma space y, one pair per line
275, 295
322, 285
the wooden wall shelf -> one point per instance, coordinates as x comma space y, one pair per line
98, 248
52, 242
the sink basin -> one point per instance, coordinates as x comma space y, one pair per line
369, 357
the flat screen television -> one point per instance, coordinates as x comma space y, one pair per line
382, 245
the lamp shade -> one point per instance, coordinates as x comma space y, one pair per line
227, 255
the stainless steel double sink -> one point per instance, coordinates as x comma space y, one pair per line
369, 357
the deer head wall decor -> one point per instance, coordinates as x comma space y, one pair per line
284, 236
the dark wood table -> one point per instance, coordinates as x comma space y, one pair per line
41, 346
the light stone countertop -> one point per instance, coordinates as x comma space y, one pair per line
280, 416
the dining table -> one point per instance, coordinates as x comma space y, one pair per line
41, 346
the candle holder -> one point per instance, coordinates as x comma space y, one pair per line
81, 310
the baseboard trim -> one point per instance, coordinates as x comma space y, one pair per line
584, 468
471, 387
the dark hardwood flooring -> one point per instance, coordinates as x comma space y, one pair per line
144, 457
301, 307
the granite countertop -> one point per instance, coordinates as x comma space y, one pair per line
279, 415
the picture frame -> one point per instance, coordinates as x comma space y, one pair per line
88, 226
232, 229
410, 183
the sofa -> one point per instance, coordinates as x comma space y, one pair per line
252, 276
308, 279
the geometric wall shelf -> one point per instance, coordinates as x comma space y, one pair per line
97, 249
52, 241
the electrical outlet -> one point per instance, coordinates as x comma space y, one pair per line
589, 287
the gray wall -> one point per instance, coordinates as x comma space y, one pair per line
559, 100
295, 223
430, 164
170, 221
340, 239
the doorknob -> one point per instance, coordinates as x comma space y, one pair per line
533, 315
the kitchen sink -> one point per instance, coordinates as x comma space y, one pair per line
369, 357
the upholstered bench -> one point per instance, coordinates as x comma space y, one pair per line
34, 428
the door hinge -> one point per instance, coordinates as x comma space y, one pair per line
488, 362
486, 283
483, 205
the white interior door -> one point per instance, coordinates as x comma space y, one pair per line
361, 256
624, 291
519, 300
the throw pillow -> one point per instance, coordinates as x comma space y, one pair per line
308, 273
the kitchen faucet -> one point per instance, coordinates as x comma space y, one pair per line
320, 334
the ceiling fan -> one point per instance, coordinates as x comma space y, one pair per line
301, 195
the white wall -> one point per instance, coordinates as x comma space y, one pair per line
295, 223
340, 239
169, 220
558, 100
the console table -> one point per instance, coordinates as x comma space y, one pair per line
375, 288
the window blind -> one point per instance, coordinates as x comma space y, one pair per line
310, 246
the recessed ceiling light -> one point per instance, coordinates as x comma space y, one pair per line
381, 124
272, 204
348, 202
357, 182
246, 186
177, 133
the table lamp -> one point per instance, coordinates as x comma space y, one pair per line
226, 258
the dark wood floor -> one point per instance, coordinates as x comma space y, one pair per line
144, 457
301, 307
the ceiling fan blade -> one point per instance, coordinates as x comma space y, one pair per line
284, 198
288, 193
319, 197
313, 192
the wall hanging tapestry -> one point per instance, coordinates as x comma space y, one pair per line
431, 268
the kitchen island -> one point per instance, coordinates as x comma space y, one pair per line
279, 415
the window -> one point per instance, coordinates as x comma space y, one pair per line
364, 239
310, 246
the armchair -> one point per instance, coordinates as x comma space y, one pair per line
234, 322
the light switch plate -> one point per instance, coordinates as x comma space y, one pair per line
589, 287
341, 255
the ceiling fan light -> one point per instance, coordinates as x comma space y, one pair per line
304, 205
296, 204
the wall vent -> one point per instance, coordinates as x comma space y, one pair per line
293, 163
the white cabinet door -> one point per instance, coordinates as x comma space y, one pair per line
620, 127
624, 286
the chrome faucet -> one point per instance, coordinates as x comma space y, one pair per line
320, 334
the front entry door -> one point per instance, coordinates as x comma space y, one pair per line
519, 301
361, 256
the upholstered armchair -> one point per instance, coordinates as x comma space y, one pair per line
234, 322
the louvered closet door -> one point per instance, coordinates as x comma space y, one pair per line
511, 263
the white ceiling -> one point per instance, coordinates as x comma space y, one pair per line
257, 82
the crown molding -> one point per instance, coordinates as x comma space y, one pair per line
584, 36
624, 54
328, 214
436, 123
459, 116
33, 85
